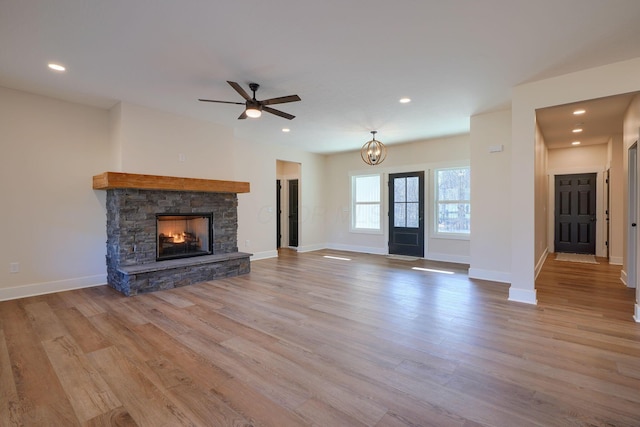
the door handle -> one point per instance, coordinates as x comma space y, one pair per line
633, 224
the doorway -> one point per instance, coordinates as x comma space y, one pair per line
575, 213
288, 182
406, 214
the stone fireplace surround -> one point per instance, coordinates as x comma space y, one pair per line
133, 201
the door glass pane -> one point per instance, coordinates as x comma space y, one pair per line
399, 189
412, 215
413, 189
399, 218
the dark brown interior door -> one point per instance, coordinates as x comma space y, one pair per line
293, 212
278, 213
575, 213
406, 214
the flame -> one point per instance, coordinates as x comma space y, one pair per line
178, 237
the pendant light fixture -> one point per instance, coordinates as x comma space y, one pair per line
373, 152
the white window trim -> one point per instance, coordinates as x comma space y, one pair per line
352, 228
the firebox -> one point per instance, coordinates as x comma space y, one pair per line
183, 235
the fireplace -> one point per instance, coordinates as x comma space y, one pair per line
164, 232
183, 235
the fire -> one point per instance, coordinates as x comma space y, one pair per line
178, 237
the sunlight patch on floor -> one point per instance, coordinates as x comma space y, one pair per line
431, 270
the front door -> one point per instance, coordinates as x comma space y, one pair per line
575, 215
406, 214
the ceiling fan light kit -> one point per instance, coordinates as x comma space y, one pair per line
373, 152
254, 107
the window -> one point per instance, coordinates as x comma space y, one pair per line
366, 203
452, 204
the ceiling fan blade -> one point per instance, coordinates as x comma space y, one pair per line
278, 112
281, 100
243, 115
239, 89
221, 102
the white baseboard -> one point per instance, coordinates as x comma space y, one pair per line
264, 255
51, 287
616, 260
494, 276
540, 263
457, 259
311, 248
636, 316
523, 295
361, 249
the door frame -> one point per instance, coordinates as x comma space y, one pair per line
601, 248
577, 218
422, 237
632, 217
285, 171
633, 233
278, 213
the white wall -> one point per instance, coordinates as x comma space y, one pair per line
491, 197
159, 143
417, 156
612, 79
57, 222
257, 210
630, 136
53, 222
616, 201
541, 192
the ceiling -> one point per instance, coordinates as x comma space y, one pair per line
602, 119
350, 60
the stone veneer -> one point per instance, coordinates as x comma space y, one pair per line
131, 239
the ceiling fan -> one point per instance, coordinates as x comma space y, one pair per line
253, 107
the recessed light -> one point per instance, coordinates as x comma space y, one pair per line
286, 130
405, 100
578, 112
56, 67
575, 143
577, 130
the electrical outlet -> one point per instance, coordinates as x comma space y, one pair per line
246, 243
182, 157
14, 267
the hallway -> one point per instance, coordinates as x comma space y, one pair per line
586, 291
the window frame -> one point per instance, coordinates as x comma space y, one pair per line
435, 231
354, 204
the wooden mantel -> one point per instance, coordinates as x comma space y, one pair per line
113, 180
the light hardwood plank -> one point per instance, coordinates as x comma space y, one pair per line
305, 340
9, 402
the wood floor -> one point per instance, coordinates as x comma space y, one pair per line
309, 340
